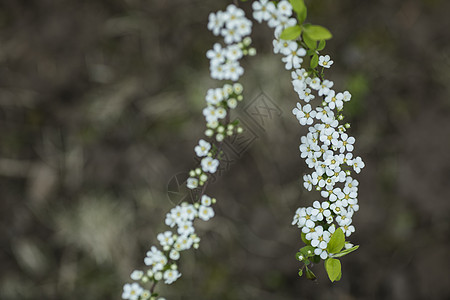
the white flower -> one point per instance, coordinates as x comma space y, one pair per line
321, 211
294, 58
210, 114
165, 238
305, 94
217, 71
348, 229
216, 22
209, 164
284, 47
305, 219
298, 79
145, 295
174, 254
132, 291
231, 35
347, 96
262, 9
357, 164
307, 182
285, 8
206, 200
192, 183
214, 96
202, 149
314, 83
244, 27
334, 101
233, 52
297, 215
321, 252
137, 275
170, 276
325, 87
216, 55
304, 114
205, 212
232, 103
320, 238
275, 18
347, 143
233, 70
325, 61
185, 227
156, 259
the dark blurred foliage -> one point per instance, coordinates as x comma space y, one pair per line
100, 106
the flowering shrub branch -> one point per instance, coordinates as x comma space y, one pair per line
162, 260
327, 147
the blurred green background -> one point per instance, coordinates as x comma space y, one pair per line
100, 107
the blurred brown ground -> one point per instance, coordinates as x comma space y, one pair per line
100, 106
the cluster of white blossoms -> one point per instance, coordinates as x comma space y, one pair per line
161, 261
327, 148
234, 27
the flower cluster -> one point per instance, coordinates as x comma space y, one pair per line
161, 261
234, 27
327, 147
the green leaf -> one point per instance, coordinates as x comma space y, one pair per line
310, 275
300, 272
312, 44
307, 251
317, 32
297, 5
291, 33
339, 277
314, 61
322, 44
300, 8
337, 241
333, 267
345, 252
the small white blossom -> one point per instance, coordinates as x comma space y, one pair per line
205, 212
325, 61
209, 164
202, 149
132, 291
170, 276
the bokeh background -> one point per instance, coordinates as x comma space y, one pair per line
100, 108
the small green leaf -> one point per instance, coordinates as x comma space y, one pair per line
339, 277
300, 272
333, 267
322, 44
291, 33
300, 8
301, 16
345, 252
310, 275
314, 63
317, 32
337, 241
307, 251
312, 44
